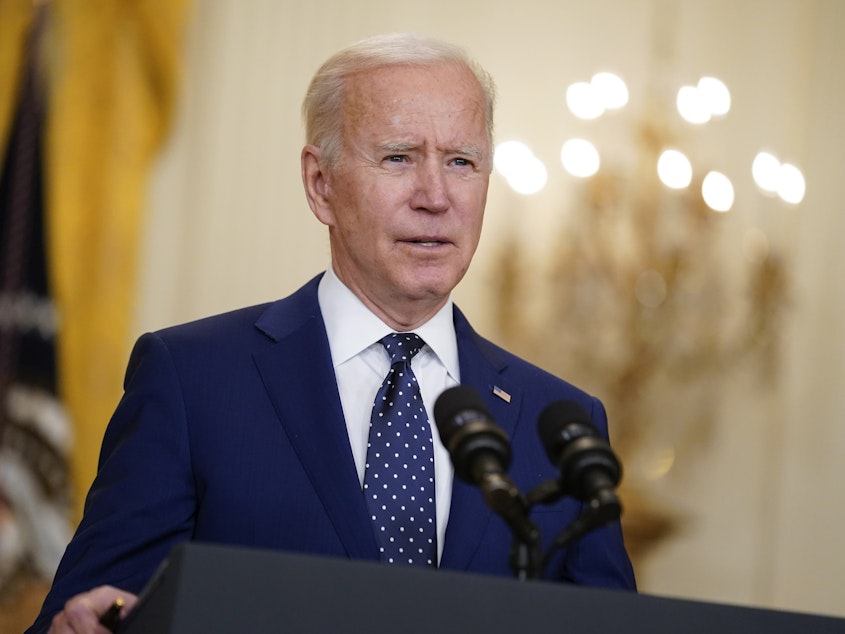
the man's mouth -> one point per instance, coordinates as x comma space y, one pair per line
426, 241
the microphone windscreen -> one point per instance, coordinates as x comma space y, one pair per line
453, 402
556, 424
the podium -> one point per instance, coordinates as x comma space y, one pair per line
204, 588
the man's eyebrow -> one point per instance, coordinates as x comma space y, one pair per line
468, 150
401, 148
396, 148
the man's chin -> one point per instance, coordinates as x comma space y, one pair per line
429, 287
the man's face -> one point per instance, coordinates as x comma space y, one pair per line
405, 200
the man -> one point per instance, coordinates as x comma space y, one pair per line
250, 427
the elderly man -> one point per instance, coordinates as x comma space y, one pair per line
258, 427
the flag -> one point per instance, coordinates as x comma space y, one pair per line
79, 130
35, 499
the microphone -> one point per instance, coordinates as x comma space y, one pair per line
481, 454
479, 448
589, 470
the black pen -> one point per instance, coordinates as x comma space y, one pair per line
111, 617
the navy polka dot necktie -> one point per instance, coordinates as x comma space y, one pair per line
399, 474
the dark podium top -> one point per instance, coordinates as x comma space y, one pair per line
211, 588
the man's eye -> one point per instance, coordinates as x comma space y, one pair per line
397, 158
462, 162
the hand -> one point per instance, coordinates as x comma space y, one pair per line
82, 613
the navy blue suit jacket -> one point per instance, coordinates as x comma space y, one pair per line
231, 431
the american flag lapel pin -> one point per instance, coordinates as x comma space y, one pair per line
501, 394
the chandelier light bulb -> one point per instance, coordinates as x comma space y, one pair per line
774, 177
765, 169
580, 158
791, 185
716, 95
674, 169
584, 101
692, 106
700, 103
523, 171
509, 155
611, 89
718, 192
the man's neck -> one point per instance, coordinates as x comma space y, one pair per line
400, 313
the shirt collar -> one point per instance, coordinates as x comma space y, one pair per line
351, 327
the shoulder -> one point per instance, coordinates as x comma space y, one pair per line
228, 336
268, 320
214, 327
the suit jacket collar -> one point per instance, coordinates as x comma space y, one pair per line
322, 445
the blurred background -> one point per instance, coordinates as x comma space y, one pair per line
664, 212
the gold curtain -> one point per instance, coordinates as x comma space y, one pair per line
15, 19
111, 77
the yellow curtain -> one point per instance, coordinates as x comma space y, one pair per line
15, 18
112, 74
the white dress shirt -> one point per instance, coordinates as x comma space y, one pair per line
361, 363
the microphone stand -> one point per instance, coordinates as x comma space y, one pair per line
526, 557
503, 497
601, 508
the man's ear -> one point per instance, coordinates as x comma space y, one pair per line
315, 180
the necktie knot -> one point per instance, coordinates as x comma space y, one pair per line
402, 346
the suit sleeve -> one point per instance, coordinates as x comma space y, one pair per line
142, 501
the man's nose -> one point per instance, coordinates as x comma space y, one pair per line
431, 191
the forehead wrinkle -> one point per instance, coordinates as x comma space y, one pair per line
408, 126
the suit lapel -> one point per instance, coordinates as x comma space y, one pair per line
481, 367
298, 376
